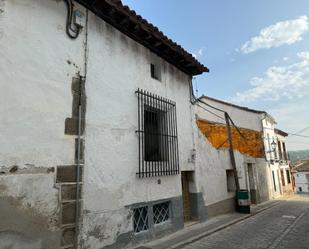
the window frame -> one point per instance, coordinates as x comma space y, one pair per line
168, 138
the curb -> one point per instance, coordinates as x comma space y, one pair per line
219, 228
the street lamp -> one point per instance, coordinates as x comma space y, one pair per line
273, 145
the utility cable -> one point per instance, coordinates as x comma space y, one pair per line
298, 135
72, 33
211, 112
217, 109
302, 130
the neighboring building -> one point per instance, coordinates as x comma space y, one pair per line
213, 159
275, 188
260, 152
283, 161
104, 118
301, 176
279, 174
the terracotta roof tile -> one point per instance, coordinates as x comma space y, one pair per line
147, 34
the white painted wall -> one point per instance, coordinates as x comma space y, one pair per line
211, 164
36, 99
301, 181
117, 67
241, 118
36, 83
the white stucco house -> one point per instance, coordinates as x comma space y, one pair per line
260, 152
301, 176
213, 159
284, 163
98, 150
277, 159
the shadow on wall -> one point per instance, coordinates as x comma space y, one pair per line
22, 228
15, 240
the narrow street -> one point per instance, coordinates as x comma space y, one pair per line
285, 226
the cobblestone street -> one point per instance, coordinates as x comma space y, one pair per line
285, 226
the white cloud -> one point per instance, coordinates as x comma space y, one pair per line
285, 32
290, 81
285, 58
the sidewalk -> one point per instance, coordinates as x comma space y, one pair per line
197, 231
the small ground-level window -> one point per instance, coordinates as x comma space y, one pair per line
230, 179
300, 189
140, 219
161, 212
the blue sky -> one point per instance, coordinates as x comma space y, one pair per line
257, 52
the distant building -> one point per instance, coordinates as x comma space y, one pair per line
283, 162
260, 152
301, 176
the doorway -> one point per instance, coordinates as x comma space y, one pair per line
252, 188
186, 177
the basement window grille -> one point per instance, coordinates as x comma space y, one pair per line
157, 133
140, 219
161, 212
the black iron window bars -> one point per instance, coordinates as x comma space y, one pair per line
157, 133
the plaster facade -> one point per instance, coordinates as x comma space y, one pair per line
40, 68
117, 67
213, 161
301, 182
279, 175
38, 62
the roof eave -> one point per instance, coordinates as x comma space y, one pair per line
140, 30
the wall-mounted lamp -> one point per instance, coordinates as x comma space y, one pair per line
273, 145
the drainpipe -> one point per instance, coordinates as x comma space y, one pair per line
82, 79
77, 206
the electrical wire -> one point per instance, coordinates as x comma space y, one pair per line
72, 33
302, 130
298, 135
217, 109
210, 112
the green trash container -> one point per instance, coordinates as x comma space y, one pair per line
243, 201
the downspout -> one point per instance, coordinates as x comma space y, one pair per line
81, 88
77, 206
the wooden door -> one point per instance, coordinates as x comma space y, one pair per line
185, 196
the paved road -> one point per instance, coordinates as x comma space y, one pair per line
285, 226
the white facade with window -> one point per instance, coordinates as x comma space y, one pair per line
301, 182
301, 177
45, 76
279, 174
215, 174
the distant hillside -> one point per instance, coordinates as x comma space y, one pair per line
298, 155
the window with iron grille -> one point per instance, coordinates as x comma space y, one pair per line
161, 212
140, 219
157, 133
